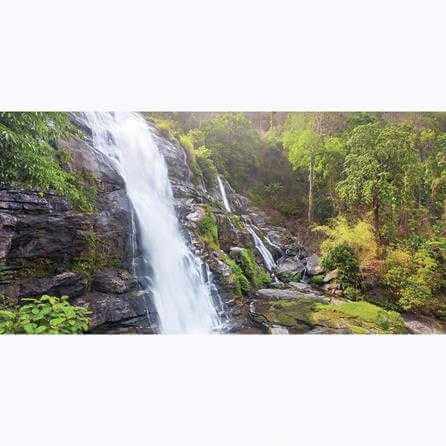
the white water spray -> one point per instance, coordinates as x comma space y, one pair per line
180, 293
223, 194
268, 259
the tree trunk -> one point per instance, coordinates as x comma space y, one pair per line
310, 193
376, 219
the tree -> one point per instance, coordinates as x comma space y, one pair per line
234, 146
309, 145
381, 171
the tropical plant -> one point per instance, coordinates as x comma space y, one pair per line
45, 315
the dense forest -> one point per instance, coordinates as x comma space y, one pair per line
366, 191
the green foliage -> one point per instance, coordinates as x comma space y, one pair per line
208, 230
256, 274
45, 315
29, 158
234, 147
381, 172
317, 280
206, 166
99, 253
413, 277
359, 237
241, 283
344, 259
361, 317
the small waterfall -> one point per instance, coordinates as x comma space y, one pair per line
176, 280
223, 194
264, 252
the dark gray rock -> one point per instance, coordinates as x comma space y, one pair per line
313, 265
66, 284
111, 308
114, 280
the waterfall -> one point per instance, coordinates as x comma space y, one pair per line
268, 259
223, 194
176, 279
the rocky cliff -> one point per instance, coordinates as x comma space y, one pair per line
48, 247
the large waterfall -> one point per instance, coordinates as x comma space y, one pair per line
180, 290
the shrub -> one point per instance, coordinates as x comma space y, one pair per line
413, 277
359, 237
208, 230
344, 259
241, 283
253, 271
28, 157
45, 315
317, 280
206, 166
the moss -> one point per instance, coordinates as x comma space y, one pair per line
359, 317
256, 274
241, 283
98, 254
208, 230
291, 312
236, 221
317, 280
303, 313
38, 268
290, 277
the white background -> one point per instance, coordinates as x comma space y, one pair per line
227, 55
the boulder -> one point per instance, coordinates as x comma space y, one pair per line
269, 293
66, 284
303, 287
197, 215
331, 275
110, 308
7, 223
313, 265
235, 252
113, 280
290, 265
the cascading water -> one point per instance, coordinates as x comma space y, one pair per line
179, 282
268, 259
223, 194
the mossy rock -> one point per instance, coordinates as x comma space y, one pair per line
294, 314
208, 230
290, 277
359, 317
305, 313
237, 278
317, 280
256, 274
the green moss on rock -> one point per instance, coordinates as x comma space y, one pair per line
208, 230
256, 274
241, 283
359, 317
304, 313
98, 254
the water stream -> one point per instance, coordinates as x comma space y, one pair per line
177, 281
268, 259
223, 194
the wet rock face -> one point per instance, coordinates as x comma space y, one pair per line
65, 284
112, 280
42, 237
111, 310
